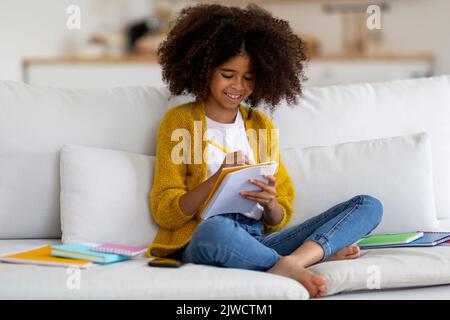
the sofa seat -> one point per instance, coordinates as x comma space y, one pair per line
135, 280
401, 272
441, 292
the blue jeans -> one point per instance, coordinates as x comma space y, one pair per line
232, 240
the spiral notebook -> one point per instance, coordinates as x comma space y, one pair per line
123, 250
83, 252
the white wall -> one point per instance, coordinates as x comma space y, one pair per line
38, 28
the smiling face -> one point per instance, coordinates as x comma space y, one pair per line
231, 83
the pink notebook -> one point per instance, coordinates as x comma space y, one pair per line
119, 249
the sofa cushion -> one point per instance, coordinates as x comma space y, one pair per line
380, 269
395, 170
441, 292
105, 196
338, 114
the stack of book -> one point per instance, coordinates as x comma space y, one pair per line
81, 256
412, 239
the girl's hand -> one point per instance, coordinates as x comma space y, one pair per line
266, 197
234, 159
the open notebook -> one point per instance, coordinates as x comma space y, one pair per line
225, 197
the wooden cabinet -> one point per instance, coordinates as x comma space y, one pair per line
106, 72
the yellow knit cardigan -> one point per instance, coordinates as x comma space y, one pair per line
172, 180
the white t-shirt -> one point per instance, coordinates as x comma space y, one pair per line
233, 137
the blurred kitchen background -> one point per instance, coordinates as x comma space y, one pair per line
117, 39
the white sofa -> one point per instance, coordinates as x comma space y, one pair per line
36, 122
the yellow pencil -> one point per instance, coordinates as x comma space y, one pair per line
215, 144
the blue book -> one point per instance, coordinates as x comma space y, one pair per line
83, 252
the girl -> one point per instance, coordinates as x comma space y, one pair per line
224, 56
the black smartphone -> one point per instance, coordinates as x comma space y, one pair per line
165, 263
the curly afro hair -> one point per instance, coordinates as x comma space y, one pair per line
207, 35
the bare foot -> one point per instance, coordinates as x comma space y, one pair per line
350, 252
289, 267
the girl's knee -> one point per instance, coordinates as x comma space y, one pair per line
213, 230
374, 207
208, 241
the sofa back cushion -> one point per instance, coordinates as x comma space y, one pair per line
36, 122
105, 196
338, 114
396, 170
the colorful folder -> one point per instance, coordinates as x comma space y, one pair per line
42, 256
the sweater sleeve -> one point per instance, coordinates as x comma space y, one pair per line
169, 178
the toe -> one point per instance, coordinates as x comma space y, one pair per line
322, 292
319, 280
313, 291
353, 249
356, 253
345, 251
350, 250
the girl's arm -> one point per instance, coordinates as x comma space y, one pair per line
169, 182
191, 201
